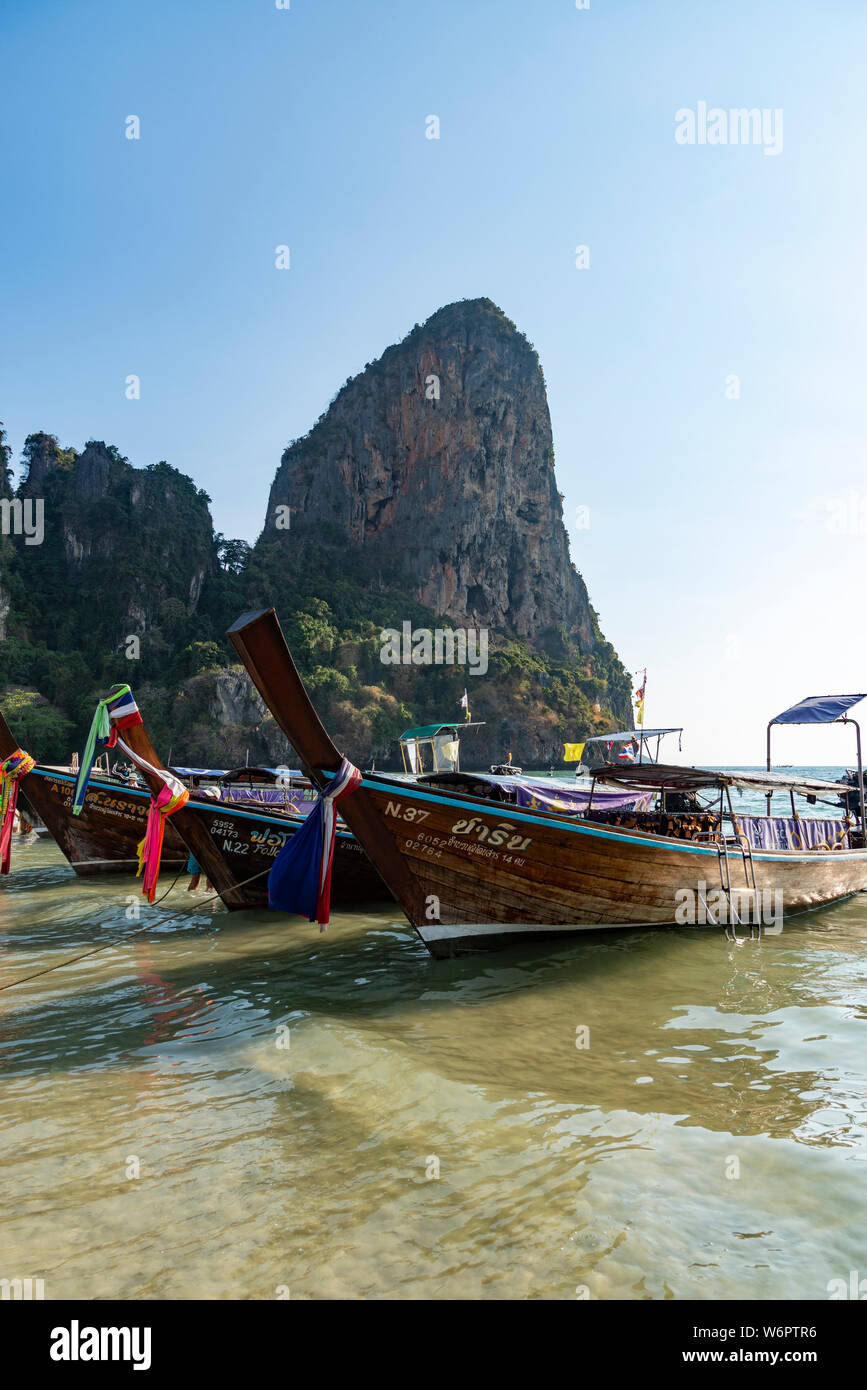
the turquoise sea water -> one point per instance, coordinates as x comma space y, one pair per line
237, 1106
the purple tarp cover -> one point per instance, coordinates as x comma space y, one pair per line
290, 798
787, 832
537, 796
542, 796
575, 803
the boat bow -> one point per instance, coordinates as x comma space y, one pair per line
258, 639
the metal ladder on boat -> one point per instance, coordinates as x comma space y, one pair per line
730, 849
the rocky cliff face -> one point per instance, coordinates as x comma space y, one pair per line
112, 590
425, 494
439, 456
128, 539
215, 719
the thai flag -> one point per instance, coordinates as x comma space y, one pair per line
123, 711
626, 754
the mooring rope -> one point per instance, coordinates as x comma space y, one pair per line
121, 940
178, 875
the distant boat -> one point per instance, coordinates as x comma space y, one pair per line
624, 746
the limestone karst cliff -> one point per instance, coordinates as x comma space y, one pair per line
125, 540
425, 494
439, 456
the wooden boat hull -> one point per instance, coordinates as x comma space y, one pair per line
232, 845
104, 839
497, 878
469, 873
235, 847
242, 845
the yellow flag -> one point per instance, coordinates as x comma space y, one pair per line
572, 752
639, 702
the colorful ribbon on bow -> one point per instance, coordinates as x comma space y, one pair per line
117, 711
300, 880
12, 769
170, 799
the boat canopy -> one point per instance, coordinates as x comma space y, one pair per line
431, 748
625, 734
675, 778
434, 747
429, 731
185, 772
236, 774
632, 746
824, 709
259, 773
817, 709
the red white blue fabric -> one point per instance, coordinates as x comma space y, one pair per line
300, 880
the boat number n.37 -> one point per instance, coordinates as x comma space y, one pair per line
394, 808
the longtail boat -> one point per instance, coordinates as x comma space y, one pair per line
471, 873
104, 838
233, 844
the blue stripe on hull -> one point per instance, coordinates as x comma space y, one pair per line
599, 832
224, 807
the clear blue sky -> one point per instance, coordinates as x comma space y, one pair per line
709, 555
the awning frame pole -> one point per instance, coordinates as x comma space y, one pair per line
843, 719
846, 720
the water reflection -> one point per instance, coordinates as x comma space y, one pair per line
705, 1142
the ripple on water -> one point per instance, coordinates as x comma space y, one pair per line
228, 1103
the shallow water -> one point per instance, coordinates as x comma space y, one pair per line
309, 1169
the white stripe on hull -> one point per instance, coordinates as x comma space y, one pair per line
83, 865
89, 863
436, 932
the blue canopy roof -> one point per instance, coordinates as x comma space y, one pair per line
817, 709
214, 772
217, 774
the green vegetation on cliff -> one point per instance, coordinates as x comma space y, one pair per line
131, 584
